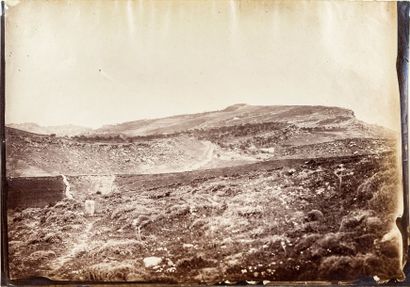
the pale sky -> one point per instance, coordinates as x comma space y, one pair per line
103, 62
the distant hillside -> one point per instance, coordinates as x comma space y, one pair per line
62, 130
237, 135
241, 114
317, 117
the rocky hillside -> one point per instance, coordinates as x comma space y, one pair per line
326, 219
244, 195
238, 135
241, 114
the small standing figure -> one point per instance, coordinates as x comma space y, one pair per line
89, 207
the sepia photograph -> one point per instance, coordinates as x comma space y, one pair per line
206, 142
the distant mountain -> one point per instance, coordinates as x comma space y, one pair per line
241, 114
62, 130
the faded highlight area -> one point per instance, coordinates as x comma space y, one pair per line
83, 61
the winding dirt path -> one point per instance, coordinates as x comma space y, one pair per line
207, 157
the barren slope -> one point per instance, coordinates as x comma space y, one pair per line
326, 219
244, 194
302, 116
237, 135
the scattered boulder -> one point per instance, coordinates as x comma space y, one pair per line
374, 223
314, 215
41, 255
152, 261
291, 171
353, 220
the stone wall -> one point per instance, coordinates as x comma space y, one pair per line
23, 192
